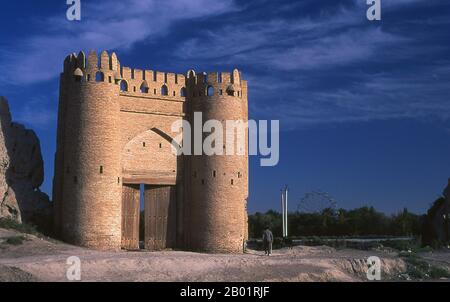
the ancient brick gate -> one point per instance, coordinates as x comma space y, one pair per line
115, 128
159, 216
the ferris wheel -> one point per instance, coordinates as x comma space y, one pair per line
316, 202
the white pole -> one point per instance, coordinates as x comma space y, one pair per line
282, 209
286, 211
284, 226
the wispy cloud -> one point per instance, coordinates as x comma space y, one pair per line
352, 46
332, 67
330, 39
323, 66
263, 38
370, 97
117, 24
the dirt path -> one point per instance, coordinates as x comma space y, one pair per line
38, 259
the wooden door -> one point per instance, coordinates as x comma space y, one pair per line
130, 216
160, 217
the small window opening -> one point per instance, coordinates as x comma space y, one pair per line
101, 169
99, 76
144, 88
210, 91
164, 90
214, 173
123, 86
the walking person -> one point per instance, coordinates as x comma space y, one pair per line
267, 241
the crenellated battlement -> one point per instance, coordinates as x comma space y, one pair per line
132, 81
221, 84
92, 68
151, 83
91, 62
213, 78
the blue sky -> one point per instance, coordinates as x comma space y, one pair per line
363, 106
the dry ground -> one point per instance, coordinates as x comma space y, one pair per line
38, 259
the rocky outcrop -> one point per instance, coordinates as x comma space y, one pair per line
447, 193
436, 228
21, 171
444, 221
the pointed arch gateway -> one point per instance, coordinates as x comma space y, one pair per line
149, 163
149, 158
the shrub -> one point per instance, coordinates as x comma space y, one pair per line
15, 240
402, 245
8, 223
418, 268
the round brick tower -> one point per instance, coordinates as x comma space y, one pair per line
219, 183
88, 198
